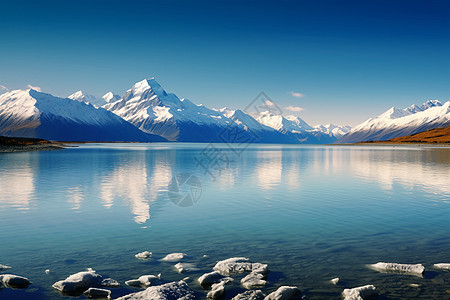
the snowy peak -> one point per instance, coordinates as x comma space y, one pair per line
29, 113
109, 97
283, 124
395, 122
335, 130
81, 96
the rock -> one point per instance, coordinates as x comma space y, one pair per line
360, 293
208, 279
4, 267
184, 267
444, 266
253, 280
14, 281
217, 290
239, 265
417, 269
173, 257
335, 281
285, 293
97, 293
250, 295
169, 291
144, 255
143, 281
79, 282
109, 282
47, 271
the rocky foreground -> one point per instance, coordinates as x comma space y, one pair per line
215, 284
15, 144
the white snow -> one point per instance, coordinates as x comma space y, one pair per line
396, 122
359, 293
80, 96
416, 269
144, 280
109, 97
285, 293
144, 255
173, 257
169, 291
14, 281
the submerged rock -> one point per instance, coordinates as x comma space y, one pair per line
217, 290
444, 266
169, 291
4, 267
79, 282
285, 293
360, 293
416, 269
14, 281
208, 279
144, 255
253, 280
184, 267
143, 281
250, 295
240, 265
97, 293
335, 281
173, 257
109, 282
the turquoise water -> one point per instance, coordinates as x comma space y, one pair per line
311, 212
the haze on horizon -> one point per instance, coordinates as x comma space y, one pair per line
326, 61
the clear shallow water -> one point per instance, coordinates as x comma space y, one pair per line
311, 212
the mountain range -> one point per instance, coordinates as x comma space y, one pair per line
32, 114
146, 112
400, 122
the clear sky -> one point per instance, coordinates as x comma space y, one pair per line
340, 61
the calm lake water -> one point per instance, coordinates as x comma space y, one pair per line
311, 212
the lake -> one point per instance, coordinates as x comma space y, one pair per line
312, 213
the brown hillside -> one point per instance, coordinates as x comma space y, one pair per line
437, 135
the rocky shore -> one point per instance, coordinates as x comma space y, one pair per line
15, 144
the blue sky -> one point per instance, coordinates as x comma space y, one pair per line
349, 59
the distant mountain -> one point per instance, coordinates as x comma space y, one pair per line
400, 122
336, 130
296, 128
109, 97
80, 96
151, 109
32, 114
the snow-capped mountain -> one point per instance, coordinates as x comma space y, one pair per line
80, 96
296, 128
151, 109
109, 97
28, 113
400, 122
336, 130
